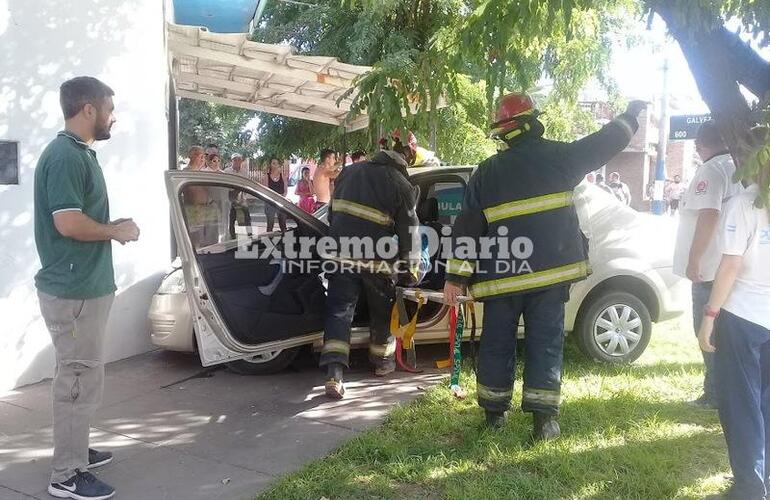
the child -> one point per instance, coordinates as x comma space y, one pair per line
738, 314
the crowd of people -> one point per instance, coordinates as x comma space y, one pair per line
673, 190
615, 187
313, 192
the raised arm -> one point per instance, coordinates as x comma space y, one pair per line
594, 150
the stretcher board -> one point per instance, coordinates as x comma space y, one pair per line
431, 295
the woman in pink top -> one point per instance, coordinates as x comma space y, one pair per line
305, 192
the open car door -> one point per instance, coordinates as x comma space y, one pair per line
249, 294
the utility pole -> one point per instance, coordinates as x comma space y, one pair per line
658, 204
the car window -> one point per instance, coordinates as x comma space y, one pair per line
449, 197
217, 216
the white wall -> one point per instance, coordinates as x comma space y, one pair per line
43, 43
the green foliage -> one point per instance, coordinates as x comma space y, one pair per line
204, 123
466, 52
753, 15
510, 45
756, 169
283, 136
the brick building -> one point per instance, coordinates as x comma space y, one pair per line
636, 164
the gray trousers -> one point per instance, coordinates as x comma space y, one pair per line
77, 330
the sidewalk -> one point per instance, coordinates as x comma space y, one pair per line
181, 431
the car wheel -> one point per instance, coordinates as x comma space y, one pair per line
265, 363
615, 327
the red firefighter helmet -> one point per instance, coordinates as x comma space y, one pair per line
411, 140
513, 109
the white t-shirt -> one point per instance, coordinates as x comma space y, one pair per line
242, 172
711, 188
675, 191
746, 231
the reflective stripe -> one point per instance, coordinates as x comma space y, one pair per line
338, 346
525, 113
459, 267
361, 211
530, 281
383, 350
493, 394
541, 396
528, 206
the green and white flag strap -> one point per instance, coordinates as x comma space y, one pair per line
457, 356
456, 329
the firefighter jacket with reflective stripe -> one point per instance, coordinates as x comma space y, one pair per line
375, 199
522, 197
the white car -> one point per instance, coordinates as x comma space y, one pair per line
253, 315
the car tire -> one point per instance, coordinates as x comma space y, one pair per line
264, 365
604, 335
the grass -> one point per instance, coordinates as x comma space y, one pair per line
627, 433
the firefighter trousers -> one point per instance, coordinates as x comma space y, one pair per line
341, 300
543, 314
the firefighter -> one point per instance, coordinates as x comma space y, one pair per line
522, 198
372, 201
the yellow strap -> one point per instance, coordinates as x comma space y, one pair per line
361, 211
405, 332
528, 206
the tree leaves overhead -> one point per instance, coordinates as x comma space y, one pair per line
202, 123
753, 16
423, 51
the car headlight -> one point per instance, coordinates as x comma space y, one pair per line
173, 283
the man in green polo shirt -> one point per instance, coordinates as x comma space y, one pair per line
76, 284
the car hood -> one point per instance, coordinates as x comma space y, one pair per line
616, 231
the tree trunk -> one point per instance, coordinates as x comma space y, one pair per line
719, 60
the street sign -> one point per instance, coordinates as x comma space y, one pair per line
685, 127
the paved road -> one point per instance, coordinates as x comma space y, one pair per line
179, 431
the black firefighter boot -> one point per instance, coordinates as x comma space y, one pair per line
384, 368
335, 389
545, 426
495, 419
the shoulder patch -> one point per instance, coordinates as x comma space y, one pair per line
702, 187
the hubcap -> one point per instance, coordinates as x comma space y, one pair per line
618, 330
264, 357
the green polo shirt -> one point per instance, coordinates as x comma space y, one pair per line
68, 177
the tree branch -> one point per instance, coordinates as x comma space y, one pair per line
712, 57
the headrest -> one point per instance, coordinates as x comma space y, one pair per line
428, 210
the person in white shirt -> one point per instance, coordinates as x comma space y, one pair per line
736, 326
236, 198
696, 255
620, 189
236, 167
674, 193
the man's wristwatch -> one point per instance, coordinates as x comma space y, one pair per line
709, 312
